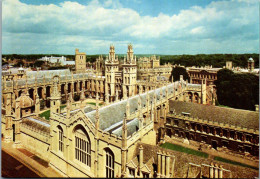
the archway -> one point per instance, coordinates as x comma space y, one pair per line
31, 91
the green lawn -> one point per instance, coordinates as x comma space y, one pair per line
184, 149
234, 163
47, 113
94, 103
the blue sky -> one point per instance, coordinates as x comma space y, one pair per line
152, 26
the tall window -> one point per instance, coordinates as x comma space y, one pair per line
109, 164
82, 147
61, 145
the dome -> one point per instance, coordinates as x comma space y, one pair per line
251, 59
25, 101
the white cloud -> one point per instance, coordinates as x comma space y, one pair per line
70, 24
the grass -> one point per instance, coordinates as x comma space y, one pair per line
93, 103
234, 163
47, 113
184, 149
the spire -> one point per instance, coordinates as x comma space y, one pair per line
55, 92
147, 100
139, 102
127, 109
82, 97
117, 97
166, 92
97, 113
69, 106
161, 93
152, 111
124, 129
154, 97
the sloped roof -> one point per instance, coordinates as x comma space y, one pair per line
236, 117
115, 112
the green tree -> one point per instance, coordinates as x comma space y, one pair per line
237, 90
177, 71
38, 63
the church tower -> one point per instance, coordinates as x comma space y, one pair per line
55, 97
80, 61
129, 73
111, 67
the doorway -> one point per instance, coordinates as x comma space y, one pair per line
214, 144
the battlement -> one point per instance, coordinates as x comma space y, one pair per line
41, 135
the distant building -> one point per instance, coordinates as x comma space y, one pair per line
57, 61
229, 65
251, 64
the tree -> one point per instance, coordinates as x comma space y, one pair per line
38, 63
18, 64
237, 90
177, 71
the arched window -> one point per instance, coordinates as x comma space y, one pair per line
82, 147
61, 145
109, 164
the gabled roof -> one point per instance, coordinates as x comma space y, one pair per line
114, 113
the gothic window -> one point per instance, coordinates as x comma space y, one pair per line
109, 164
131, 172
61, 145
82, 147
145, 175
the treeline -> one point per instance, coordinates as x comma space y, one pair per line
216, 60
237, 90
34, 57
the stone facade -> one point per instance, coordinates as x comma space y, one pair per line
221, 128
107, 141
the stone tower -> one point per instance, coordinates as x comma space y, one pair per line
80, 61
55, 97
229, 65
129, 73
111, 67
251, 64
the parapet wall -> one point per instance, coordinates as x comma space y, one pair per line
35, 141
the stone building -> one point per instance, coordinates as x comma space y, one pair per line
107, 141
206, 75
80, 61
149, 68
251, 64
94, 143
232, 130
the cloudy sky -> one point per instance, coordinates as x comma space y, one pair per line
152, 26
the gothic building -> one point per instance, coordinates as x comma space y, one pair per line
111, 140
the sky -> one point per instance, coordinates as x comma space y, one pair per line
171, 27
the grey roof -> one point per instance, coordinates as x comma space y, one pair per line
114, 113
47, 73
236, 117
39, 122
132, 126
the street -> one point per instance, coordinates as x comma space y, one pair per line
13, 168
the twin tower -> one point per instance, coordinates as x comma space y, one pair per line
120, 76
